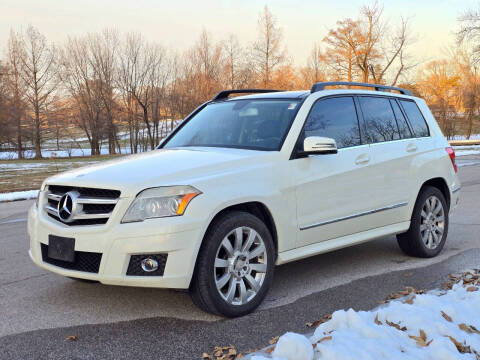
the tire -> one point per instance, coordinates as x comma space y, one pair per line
427, 234
231, 269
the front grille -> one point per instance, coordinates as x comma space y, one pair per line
84, 261
135, 268
92, 206
87, 192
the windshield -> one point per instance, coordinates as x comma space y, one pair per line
246, 124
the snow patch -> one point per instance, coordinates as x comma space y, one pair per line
465, 150
292, 346
18, 195
427, 326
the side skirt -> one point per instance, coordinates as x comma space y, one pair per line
341, 242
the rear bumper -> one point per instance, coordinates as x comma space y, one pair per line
454, 197
180, 239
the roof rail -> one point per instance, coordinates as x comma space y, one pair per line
321, 86
222, 95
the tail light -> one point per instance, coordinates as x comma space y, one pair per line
451, 153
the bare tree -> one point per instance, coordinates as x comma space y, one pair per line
233, 64
141, 73
364, 46
78, 77
38, 74
4, 106
268, 52
206, 59
15, 55
102, 56
315, 69
470, 31
339, 54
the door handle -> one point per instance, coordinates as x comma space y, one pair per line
411, 147
362, 159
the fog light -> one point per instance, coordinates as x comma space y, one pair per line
149, 264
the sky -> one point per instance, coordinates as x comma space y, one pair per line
177, 24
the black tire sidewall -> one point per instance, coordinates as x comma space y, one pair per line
212, 241
416, 221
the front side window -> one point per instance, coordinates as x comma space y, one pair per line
419, 126
379, 119
246, 124
334, 118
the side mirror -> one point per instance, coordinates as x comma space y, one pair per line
316, 145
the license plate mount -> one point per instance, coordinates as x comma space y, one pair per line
61, 248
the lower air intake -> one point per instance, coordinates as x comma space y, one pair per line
84, 261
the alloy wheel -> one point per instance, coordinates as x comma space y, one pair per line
240, 265
432, 222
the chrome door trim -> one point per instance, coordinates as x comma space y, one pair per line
369, 212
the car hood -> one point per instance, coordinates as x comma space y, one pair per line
133, 173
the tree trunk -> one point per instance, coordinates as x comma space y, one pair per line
349, 65
38, 151
19, 136
149, 130
469, 124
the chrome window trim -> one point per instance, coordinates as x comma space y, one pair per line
369, 212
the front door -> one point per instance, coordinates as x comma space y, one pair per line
334, 192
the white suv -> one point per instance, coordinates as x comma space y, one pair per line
249, 182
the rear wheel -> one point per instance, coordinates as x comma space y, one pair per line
428, 227
235, 266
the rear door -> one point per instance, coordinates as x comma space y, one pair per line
393, 149
334, 192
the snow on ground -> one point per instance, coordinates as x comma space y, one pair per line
441, 325
465, 150
18, 195
38, 166
467, 163
463, 137
7, 155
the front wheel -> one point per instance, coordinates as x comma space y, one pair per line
235, 266
428, 227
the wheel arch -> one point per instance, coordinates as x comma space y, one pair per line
439, 183
256, 208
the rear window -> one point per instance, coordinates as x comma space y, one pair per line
379, 119
415, 117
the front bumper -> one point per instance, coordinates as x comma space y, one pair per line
179, 237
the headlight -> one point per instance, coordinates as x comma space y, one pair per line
37, 199
160, 202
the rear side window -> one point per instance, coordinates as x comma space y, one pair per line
405, 132
379, 119
419, 126
335, 118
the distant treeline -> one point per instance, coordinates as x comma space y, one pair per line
106, 83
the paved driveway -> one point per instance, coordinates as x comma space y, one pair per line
38, 310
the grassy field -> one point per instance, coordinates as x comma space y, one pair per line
19, 175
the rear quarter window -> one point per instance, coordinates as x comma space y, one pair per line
415, 117
403, 127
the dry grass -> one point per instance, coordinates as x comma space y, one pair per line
19, 175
